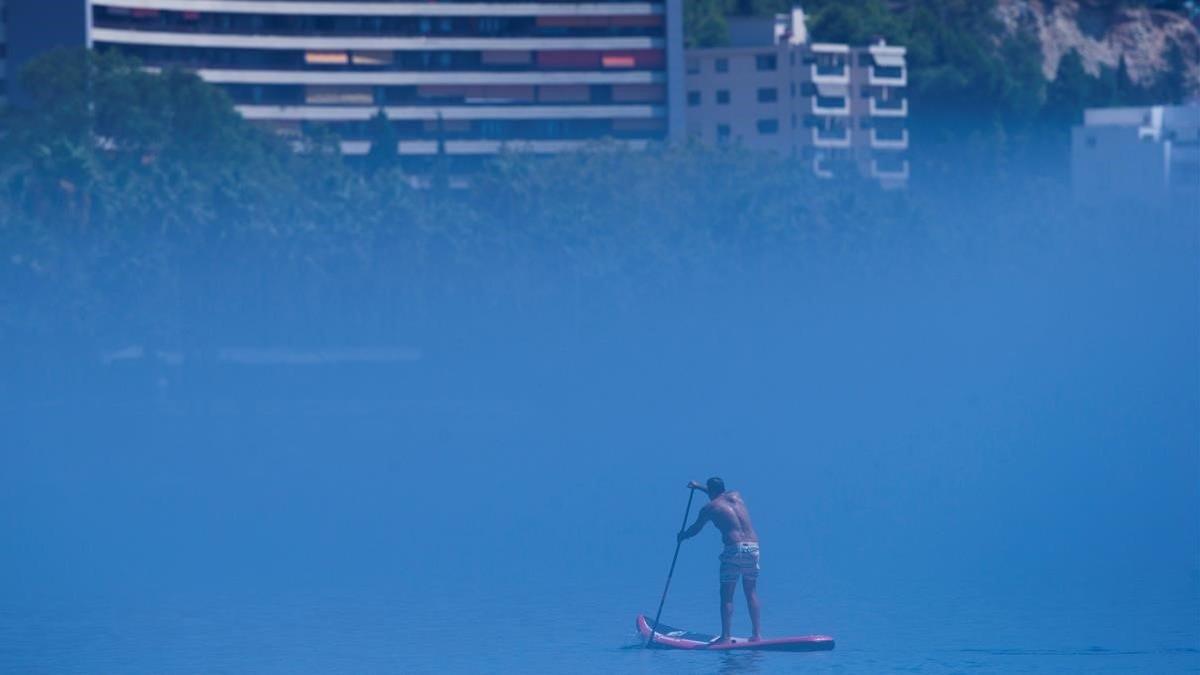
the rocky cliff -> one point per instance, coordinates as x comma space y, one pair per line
1151, 41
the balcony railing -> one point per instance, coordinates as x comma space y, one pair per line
889, 139
831, 105
890, 170
892, 107
838, 137
822, 167
895, 76
830, 73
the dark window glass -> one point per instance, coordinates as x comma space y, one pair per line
831, 101
765, 62
767, 127
723, 132
721, 65
768, 95
693, 98
722, 96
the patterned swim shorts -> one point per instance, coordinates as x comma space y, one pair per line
739, 560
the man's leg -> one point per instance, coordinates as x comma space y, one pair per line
750, 587
727, 588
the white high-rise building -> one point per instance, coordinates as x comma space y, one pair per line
457, 77
843, 108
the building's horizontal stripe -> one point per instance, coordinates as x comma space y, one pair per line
140, 37
829, 48
305, 77
489, 147
393, 8
481, 112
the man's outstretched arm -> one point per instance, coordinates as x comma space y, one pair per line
692, 531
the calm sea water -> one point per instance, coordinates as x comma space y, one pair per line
967, 471
589, 630
254, 557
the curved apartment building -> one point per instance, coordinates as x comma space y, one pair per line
466, 78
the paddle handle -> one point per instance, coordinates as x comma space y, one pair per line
662, 601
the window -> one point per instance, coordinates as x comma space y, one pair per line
830, 101
693, 98
765, 62
721, 65
722, 97
767, 127
792, 87
722, 132
768, 94
326, 58
693, 66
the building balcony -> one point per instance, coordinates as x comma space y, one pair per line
362, 113
888, 76
391, 43
386, 8
410, 77
830, 74
889, 170
831, 106
889, 139
893, 107
831, 138
831, 65
821, 167
888, 68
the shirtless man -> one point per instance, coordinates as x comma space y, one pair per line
728, 512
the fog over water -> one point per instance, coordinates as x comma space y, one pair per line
981, 457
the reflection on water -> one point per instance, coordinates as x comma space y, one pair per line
741, 662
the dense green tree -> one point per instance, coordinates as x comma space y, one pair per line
704, 24
384, 141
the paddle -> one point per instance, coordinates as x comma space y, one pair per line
679, 542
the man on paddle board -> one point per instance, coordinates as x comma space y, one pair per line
726, 510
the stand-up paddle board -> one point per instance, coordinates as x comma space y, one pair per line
674, 638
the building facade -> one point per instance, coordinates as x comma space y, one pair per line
463, 78
1141, 155
842, 108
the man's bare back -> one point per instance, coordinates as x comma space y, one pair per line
728, 512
